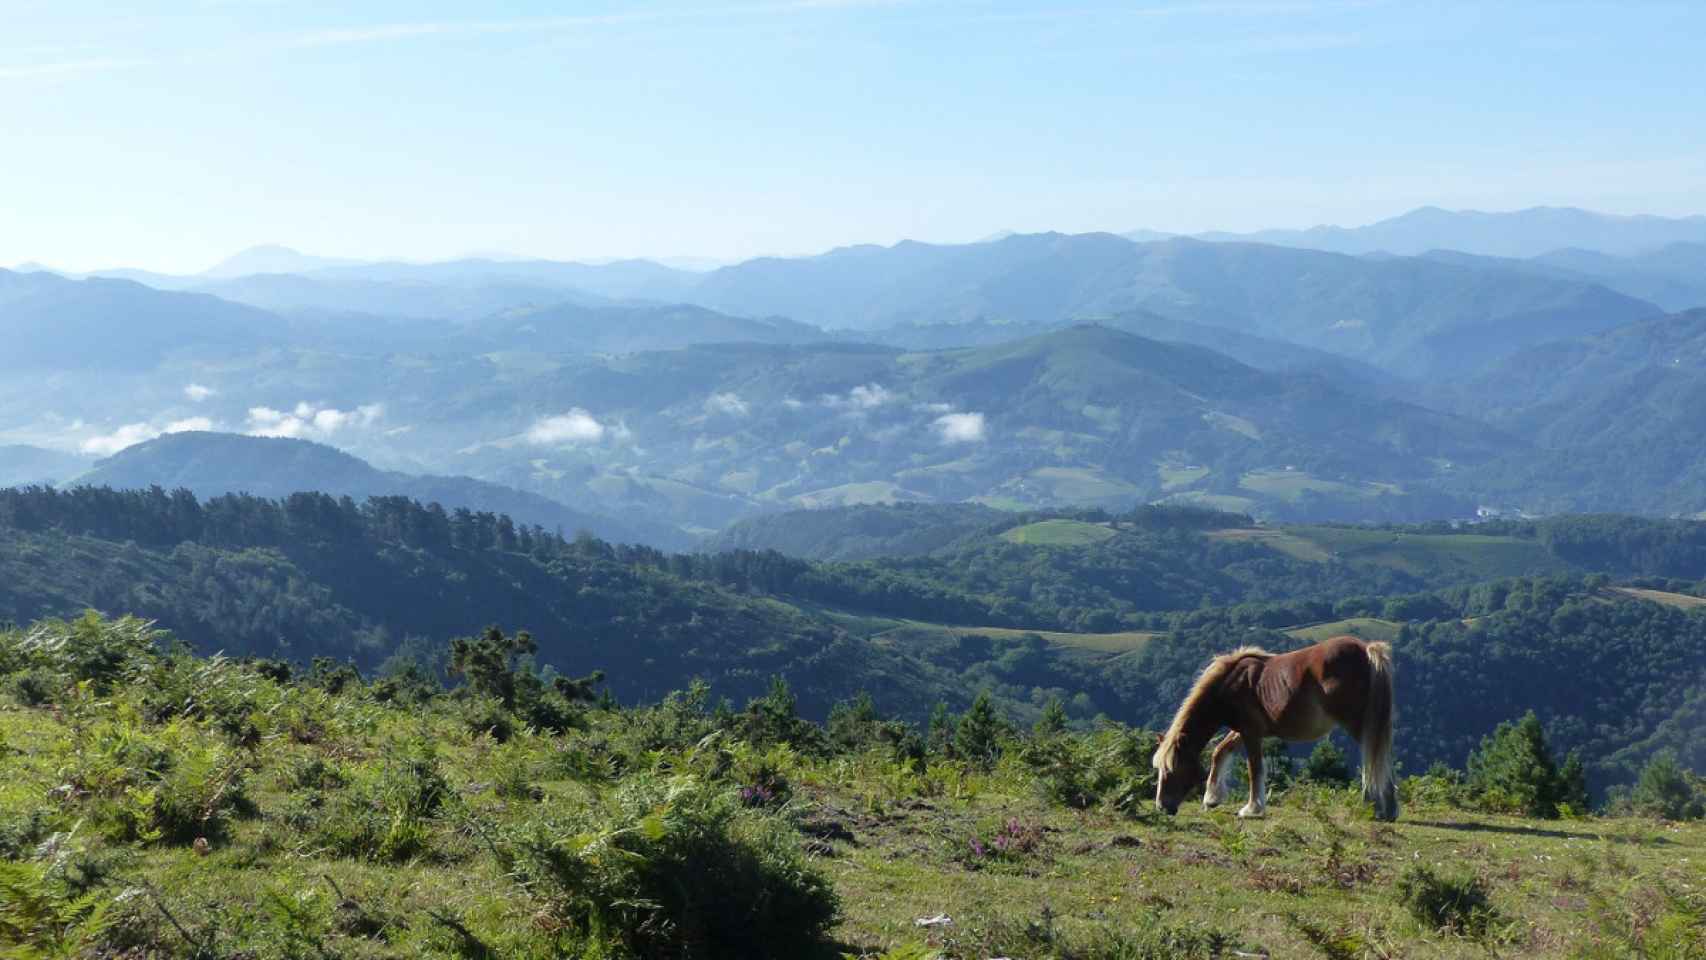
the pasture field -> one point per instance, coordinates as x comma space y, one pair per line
1059, 533
991, 859
1367, 628
1467, 555
1681, 601
1115, 643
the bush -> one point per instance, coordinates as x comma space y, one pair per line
673, 867
979, 736
386, 817
1513, 772
1454, 903
1110, 765
1326, 765
1665, 790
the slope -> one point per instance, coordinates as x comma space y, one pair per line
210, 464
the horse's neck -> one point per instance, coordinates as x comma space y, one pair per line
1203, 723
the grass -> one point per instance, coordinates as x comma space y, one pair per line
898, 843
1291, 485
855, 494
1314, 857
1175, 476
1078, 485
1276, 538
1367, 628
1114, 643
1059, 533
1470, 555
1679, 600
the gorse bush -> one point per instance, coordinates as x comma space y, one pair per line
672, 867
1450, 902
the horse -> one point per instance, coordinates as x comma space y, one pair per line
1297, 696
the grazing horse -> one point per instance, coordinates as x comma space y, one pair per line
1296, 696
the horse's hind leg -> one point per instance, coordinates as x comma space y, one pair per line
1220, 770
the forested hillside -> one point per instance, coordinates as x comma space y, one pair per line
1116, 621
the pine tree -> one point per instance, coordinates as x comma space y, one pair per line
1053, 721
980, 732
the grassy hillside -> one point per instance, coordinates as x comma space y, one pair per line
1059, 533
165, 806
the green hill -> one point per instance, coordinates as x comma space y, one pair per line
210, 464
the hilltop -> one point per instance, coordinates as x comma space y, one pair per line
211, 464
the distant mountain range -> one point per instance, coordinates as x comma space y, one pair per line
1412, 316
21, 465
210, 464
1518, 233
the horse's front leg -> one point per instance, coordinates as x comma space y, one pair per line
1220, 770
1258, 804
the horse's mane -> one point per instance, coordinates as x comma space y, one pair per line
1166, 755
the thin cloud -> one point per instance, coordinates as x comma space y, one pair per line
378, 33
309, 421
197, 392
60, 68
576, 426
131, 434
960, 428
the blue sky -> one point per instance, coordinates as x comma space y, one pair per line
168, 136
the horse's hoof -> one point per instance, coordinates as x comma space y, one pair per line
1248, 811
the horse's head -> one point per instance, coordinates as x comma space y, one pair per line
1177, 780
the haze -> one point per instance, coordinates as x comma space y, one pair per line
167, 138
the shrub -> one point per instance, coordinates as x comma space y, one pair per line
1452, 903
1110, 765
673, 867
1513, 772
387, 816
1010, 841
1326, 765
979, 735
1665, 790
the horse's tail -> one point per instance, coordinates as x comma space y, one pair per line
1377, 783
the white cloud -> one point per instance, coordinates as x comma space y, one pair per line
793, 404
131, 434
868, 396
198, 393
960, 427
576, 426
307, 421
727, 403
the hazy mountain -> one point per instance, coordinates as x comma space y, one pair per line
573, 328
270, 258
1259, 352
21, 464
616, 280
210, 464
1617, 419
1412, 316
49, 321
1088, 415
1518, 233
326, 295
1673, 276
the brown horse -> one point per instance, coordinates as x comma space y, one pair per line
1296, 696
